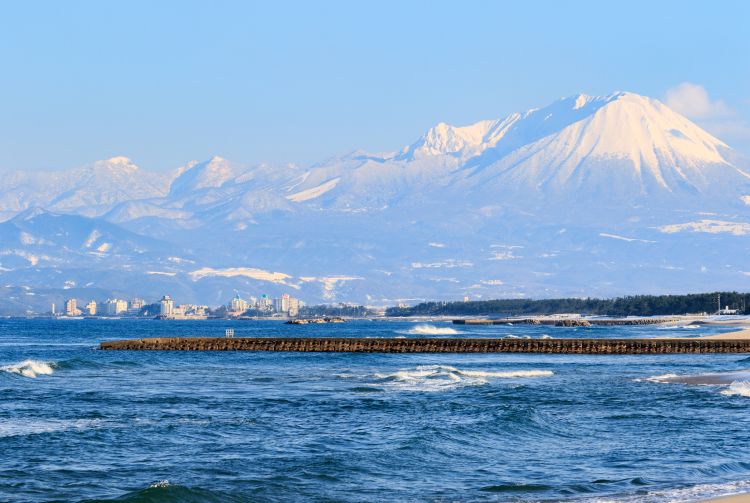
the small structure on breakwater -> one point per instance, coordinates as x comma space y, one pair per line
427, 345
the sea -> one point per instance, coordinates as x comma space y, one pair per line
78, 424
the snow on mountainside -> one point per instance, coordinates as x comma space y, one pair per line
634, 142
89, 190
586, 196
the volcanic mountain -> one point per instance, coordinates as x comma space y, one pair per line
587, 196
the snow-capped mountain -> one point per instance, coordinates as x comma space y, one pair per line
587, 196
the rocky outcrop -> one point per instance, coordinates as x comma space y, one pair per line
307, 321
573, 322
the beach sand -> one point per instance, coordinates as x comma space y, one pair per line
738, 335
734, 498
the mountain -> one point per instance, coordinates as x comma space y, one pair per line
586, 196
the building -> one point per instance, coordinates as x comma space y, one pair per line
167, 306
115, 307
281, 305
135, 306
265, 304
91, 308
287, 305
293, 306
71, 308
237, 305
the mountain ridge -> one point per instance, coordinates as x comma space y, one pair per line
586, 196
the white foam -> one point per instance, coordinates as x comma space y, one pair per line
696, 493
432, 330
160, 484
27, 426
680, 327
29, 368
664, 378
740, 388
445, 377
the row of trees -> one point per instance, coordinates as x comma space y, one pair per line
635, 305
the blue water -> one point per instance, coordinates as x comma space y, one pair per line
78, 424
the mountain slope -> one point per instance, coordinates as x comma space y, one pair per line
587, 196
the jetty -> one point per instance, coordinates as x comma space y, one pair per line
433, 345
567, 321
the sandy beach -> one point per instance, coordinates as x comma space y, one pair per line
733, 498
738, 335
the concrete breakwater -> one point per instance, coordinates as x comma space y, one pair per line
356, 345
570, 322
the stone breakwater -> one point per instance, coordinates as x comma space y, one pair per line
567, 322
354, 345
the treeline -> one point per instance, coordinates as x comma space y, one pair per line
636, 305
341, 310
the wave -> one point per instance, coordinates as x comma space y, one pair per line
164, 491
731, 383
700, 492
432, 330
680, 327
709, 379
30, 368
740, 388
445, 377
31, 426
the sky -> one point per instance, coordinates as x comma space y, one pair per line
170, 81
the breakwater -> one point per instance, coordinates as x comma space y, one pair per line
421, 345
569, 322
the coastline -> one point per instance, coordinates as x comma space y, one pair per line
731, 498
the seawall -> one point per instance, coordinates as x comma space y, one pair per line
354, 345
541, 320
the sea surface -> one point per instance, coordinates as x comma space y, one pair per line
79, 424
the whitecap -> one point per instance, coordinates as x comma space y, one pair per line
29, 426
740, 388
432, 330
29, 368
445, 377
708, 379
701, 492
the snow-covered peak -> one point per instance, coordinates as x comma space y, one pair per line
117, 164
204, 175
625, 142
463, 141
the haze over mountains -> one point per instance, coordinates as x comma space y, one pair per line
591, 196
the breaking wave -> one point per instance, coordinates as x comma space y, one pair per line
432, 330
164, 491
730, 383
701, 492
29, 368
444, 377
740, 388
30, 426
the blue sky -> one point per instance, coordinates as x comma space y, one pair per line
166, 82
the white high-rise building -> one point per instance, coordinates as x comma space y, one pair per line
114, 307
238, 305
167, 306
71, 308
91, 308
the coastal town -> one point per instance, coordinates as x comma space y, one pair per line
166, 308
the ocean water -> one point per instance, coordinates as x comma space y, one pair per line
78, 424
